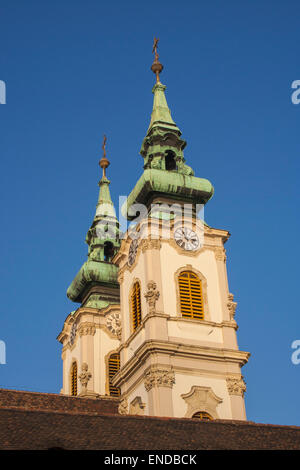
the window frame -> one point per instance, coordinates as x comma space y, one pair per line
135, 323
116, 390
191, 295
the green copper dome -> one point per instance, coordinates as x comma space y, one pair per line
165, 171
103, 241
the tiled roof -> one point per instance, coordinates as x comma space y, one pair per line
42, 421
53, 402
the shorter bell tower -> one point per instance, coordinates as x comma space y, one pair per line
91, 333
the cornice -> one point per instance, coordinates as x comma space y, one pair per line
149, 315
227, 324
165, 347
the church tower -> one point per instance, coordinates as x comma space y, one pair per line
156, 323
179, 352
91, 334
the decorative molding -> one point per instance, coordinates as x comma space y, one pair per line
84, 377
159, 378
220, 254
152, 295
236, 385
201, 399
150, 244
227, 324
137, 407
87, 328
123, 407
182, 351
231, 306
113, 324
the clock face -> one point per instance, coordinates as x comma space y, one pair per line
186, 238
132, 252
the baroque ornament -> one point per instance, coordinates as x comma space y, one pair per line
220, 254
113, 323
123, 407
84, 377
201, 399
159, 378
231, 306
236, 385
137, 407
148, 244
87, 328
152, 295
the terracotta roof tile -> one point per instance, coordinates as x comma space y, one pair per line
42, 421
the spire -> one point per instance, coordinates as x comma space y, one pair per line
162, 148
156, 67
105, 207
161, 115
103, 239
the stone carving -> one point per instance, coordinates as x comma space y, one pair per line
137, 407
73, 334
201, 399
231, 306
87, 328
148, 244
123, 407
113, 323
159, 378
152, 295
84, 377
220, 254
236, 385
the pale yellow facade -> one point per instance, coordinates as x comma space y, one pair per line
169, 365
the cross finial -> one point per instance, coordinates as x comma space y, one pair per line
154, 49
104, 162
156, 66
103, 145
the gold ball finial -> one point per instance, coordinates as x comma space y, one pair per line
104, 162
156, 67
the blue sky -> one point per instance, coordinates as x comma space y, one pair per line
77, 69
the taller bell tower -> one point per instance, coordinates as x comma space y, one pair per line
155, 327
179, 354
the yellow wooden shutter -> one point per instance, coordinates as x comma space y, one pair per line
203, 416
113, 367
136, 309
74, 379
191, 299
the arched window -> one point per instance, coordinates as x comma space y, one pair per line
170, 160
113, 367
135, 303
203, 416
191, 298
74, 379
108, 251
